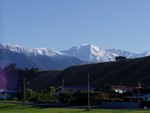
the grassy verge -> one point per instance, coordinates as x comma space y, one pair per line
13, 108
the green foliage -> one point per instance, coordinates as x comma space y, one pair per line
109, 88
64, 97
17, 96
52, 89
79, 98
39, 96
36, 96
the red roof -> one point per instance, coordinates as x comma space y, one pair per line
123, 87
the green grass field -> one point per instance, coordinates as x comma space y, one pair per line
12, 108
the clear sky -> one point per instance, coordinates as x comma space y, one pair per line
61, 24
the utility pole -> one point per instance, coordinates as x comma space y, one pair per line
88, 93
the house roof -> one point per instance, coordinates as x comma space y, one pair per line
76, 87
123, 87
2, 90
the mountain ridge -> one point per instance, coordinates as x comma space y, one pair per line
29, 51
90, 53
46, 59
101, 55
126, 72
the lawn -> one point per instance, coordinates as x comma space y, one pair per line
12, 108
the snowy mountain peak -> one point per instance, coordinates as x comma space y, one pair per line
146, 53
30, 52
90, 53
15, 48
41, 58
120, 52
87, 46
46, 52
84, 52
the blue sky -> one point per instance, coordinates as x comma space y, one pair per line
61, 24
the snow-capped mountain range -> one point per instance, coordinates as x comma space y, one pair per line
42, 58
45, 59
30, 52
95, 54
90, 53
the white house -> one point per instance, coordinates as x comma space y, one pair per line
123, 89
5, 94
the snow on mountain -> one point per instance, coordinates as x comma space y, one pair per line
30, 52
47, 59
146, 53
90, 53
123, 53
42, 58
47, 52
16, 48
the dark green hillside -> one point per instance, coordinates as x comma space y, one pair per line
127, 72
40, 80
